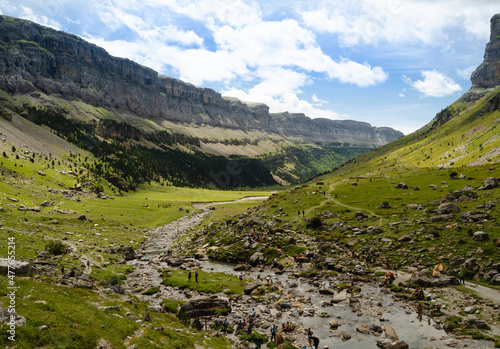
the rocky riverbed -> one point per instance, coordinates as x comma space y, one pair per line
371, 316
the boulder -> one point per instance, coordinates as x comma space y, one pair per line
127, 251
404, 238
242, 267
399, 344
472, 264
448, 208
401, 186
475, 322
496, 242
341, 296
205, 306
5, 316
373, 230
436, 272
252, 286
489, 183
424, 281
334, 324
480, 236
390, 333
257, 258
83, 281
18, 267
326, 291
441, 217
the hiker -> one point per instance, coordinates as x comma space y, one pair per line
309, 335
254, 314
225, 324
62, 270
189, 276
461, 278
196, 276
240, 276
273, 332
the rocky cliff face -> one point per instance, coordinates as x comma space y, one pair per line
326, 130
33, 57
488, 73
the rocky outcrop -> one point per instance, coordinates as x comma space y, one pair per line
205, 306
35, 58
487, 75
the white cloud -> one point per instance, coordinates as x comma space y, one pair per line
29, 14
435, 84
467, 72
317, 101
427, 21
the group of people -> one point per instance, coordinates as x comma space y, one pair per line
196, 275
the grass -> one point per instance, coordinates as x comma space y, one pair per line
207, 282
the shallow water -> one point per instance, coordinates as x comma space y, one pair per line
417, 334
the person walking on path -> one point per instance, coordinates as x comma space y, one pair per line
189, 276
196, 276
241, 278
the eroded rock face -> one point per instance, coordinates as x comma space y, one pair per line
488, 73
205, 306
37, 58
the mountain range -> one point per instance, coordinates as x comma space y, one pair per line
45, 68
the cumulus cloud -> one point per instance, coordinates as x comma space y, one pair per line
368, 22
435, 84
467, 72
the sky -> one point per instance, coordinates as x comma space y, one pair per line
393, 63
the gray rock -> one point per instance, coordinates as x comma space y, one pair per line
401, 186
470, 310
480, 236
205, 306
334, 324
18, 267
448, 208
257, 258
390, 333
399, 344
489, 183
249, 288
475, 322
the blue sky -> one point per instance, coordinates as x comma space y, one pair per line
390, 63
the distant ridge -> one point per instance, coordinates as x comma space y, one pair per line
36, 58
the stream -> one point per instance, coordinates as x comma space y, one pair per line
373, 305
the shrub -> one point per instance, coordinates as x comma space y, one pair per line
314, 223
197, 325
55, 247
115, 280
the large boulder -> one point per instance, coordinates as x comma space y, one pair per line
424, 281
489, 183
390, 333
341, 296
448, 208
252, 286
257, 258
18, 267
480, 236
205, 306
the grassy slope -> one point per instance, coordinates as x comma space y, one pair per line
418, 160
114, 221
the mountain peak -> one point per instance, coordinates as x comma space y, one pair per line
487, 75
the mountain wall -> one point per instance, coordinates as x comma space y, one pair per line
36, 58
487, 75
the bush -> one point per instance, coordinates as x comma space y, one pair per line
115, 280
314, 223
197, 325
55, 247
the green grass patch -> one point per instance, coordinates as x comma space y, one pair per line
207, 282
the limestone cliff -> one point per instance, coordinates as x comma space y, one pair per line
36, 58
487, 75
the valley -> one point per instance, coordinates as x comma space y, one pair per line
133, 202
